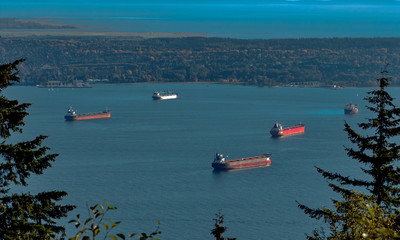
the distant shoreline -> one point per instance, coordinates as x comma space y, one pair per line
14, 33
83, 32
18, 27
303, 63
39, 28
210, 83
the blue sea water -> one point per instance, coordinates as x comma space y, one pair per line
241, 19
152, 159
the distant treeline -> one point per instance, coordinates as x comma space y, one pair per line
345, 62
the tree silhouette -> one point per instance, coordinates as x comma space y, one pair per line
379, 155
24, 215
219, 229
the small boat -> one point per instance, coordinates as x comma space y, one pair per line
350, 109
278, 130
164, 95
72, 115
220, 163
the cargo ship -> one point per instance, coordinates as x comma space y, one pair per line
220, 163
278, 130
350, 109
72, 115
164, 95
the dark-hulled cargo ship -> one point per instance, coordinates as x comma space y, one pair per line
72, 115
220, 163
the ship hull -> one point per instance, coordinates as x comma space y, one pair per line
297, 129
350, 111
88, 116
243, 163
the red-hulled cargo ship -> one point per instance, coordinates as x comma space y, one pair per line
220, 163
278, 130
350, 109
72, 115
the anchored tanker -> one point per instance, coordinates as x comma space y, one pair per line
72, 115
220, 163
278, 130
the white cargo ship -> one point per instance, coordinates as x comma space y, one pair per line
164, 95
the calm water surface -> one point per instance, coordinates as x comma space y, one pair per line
222, 18
152, 159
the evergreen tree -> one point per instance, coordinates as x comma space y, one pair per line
24, 215
359, 217
379, 155
219, 229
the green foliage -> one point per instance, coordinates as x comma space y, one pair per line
24, 215
95, 226
260, 62
379, 155
219, 229
359, 217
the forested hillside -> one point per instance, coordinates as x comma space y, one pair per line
344, 62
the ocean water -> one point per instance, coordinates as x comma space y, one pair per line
239, 19
152, 159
